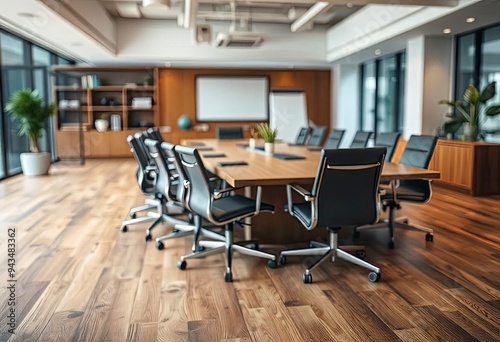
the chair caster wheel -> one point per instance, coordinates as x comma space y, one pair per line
374, 277
159, 245
307, 278
175, 230
148, 237
201, 248
283, 260
360, 254
429, 237
133, 215
228, 277
391, 245
123, 229
356, 234
272, 264
181, 264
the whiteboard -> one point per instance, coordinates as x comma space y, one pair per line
288, 113
232, 98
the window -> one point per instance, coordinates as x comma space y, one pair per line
382, 94
22, 65
477, 63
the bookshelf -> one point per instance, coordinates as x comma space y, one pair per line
85, 94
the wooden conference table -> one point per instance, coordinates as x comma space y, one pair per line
273, 174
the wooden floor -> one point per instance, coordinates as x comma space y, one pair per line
80, 279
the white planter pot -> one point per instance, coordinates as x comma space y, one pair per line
269, 148
252, 143
101, 125
35, 164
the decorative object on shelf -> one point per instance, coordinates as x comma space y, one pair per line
116, 122
103, 101
269, 136
148, 80
29, 108
142, 103
184, 122
102, 124
74, 104
63, 104
471, 112
255, 137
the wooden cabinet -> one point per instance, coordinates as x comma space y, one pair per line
85, 94
473, 167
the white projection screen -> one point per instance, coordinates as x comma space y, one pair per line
232, 98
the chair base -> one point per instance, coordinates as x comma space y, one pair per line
226, 246
392, 223
331, 251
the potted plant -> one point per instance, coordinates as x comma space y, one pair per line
269, 136
102, 123
470, 112
28, 107
147, 80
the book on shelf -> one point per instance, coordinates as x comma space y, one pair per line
74, 127
91, 81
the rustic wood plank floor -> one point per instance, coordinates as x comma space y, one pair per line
80, 279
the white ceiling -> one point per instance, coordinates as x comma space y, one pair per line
125, 32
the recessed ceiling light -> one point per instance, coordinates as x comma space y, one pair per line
28, 15
470, 19
378, 52
168, 64
447, 31
349, 4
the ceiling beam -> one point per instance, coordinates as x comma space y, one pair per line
306, 21
447, 3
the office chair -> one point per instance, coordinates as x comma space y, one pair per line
418, 152
317, 135
345, 192
146, 179
390, 141
360, 139
207, 203
229, 132
334, 139
302, 136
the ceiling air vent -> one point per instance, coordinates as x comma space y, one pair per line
238, 40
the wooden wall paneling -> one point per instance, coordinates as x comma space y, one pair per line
119, 146
486, 176
100, 145
281, 79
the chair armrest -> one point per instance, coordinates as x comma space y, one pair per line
303, 192
219, 192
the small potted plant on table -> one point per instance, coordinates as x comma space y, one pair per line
269, 136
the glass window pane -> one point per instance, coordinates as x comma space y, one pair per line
386, 95
402, 80
2, 157
369, 87
490, 71
466, 46
63, 61
11, 48
40, 56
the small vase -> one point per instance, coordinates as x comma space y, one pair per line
471, 132
269, 148
101, 125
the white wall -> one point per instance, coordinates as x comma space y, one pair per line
345, 95
414, 86
161, 40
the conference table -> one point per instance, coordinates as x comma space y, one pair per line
273, 173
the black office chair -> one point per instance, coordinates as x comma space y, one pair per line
208, 203
334, 139
390, 141
317, 135
302, 136
345, 192
360, 139
418, 152
146, 179
229, 132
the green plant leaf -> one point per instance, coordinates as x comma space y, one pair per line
488, 92
493, 110
446, 102
453, 125
471, 95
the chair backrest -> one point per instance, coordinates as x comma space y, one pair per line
229, 132
334, 138
360, 139
154, 133
302, 136
346, 186
165, 177
418, 151
317, 135
145, 179
388, 140
192, 169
